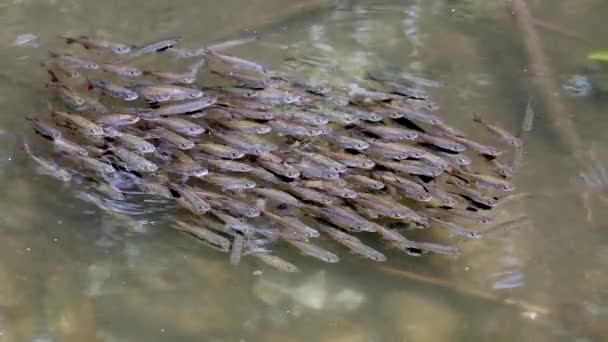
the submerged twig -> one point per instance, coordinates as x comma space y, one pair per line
465, 291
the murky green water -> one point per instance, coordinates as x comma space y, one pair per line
70, 273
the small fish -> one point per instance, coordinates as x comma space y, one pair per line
391, 133
361, 95
189, 199
246, 81
456, 158
239, 63
489, 181
337, 116
444, 198
349, 143
98, 44
475, 196
109, 190
188, 169
310, 194
331, 188
236, 208
182, 107
411, 168
220, 150
121, 69
344, 218
117, 119
477, 147
133, 161
353, 161
422, 116
44, 128
253, 114
501, 169
154, 188
245, 144
400, 89
60, 71
278, 196
441, 142
455, 229
294, 224
173, 138
305, 118
230, 183
181, 126
237, 250
317, 88
315, 251
154, 47
276, 262
386, 207
172, 77
228, 165
67, 146
136, 143
445, 130
245, 126
358, 247
408, 187
288, 128
323, 161
312, 171
74, 62
365, 182
499, 132
92, 164
274, 96
234, 223
49, 167
114, 90
364, 114
403, 150
84, 125
70, 98
280, 168
188, 53
208, 237
167, 92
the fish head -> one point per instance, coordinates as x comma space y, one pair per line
463, 161
129, 96
195, 94
133, 72
96, 131
249, 185
200, 173
91, 66
423, 197
507, 187
186, 145
147, 148
493, 151
151, 167
121, 49
474, 235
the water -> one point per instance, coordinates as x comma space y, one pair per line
70, 273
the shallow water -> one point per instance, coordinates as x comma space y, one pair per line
70, 273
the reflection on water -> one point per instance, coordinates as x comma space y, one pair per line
70, 273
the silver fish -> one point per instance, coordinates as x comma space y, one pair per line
312, 171
121, 69
114, 90
240, 63
228, 165
455, 229
167, 92
136, 143
422, 116
220, 150
182, 108
246, 126
292, 223
354, 161
310, 194
350, 143
234, 223
276, 262
344, 218
477, 147
181, 126
117, 119
456, 158
331, 188
154, 188
279, 168
235, 207
278, 196
305, 118
133, 161
210, 238
391, 133
499, 132
173, 138
412, 168
409, 188
92, 164
365, 182
69, 147
230, 183
404, 151
323, 161
287, 128
237, 250
74, 62
154, 47
49, 167
79, 122
98, 44
244, 143
188, 169
444, 143
315, 251
172, 77
189, 199
386, 207
44, 128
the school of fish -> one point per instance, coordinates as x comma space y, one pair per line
245, 158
